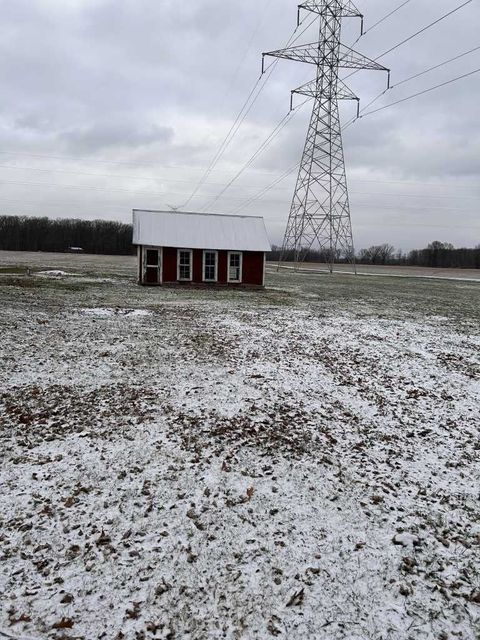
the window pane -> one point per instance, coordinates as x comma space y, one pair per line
184, 262
210, 265
152, 257
234, 270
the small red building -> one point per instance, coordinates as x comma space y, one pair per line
199, 248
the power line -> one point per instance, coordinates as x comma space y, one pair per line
262, 147
379, 22
247, 50
421, 93
437, 66
148, 194
284, 121
428, 26
107, 175
266, 143
270, 138
417, 33
223, 145
290, 171
295, 167
411, 37
268, 188
245, 110
101, 161
284, 175
116, 206
410, 182
409, 79
219, 184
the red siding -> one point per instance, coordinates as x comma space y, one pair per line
222, 267
252, 267
197, 266
169, 264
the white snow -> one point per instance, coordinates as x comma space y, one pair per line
54, 273
115, 312
299, 463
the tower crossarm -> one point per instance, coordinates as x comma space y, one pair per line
350, 59
313, 90
347, 8
313, 53
309, 53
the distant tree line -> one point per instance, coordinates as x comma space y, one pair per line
436, 254
23, 233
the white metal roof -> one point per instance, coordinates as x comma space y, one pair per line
199, 231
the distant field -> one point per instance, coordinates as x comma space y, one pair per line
300, 462
125, 264
407, 272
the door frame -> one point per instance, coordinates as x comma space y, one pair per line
229, 280
159, 265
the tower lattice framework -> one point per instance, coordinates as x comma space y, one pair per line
320, 213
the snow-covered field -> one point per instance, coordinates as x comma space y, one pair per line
298, 463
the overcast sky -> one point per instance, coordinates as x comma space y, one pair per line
109, 105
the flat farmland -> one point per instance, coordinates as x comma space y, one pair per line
300, 462
396, 271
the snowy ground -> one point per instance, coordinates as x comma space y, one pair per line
296, 463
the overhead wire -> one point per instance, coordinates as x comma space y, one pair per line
249, 45
379, 22
284, 175
421, 93
428, 26
266, 143
288, 117
375, 99
105, 175
283, 122
417, 75
437, 66
414, 35
411, 37
245, 110
296, 166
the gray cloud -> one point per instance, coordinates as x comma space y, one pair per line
152, 88
115, 134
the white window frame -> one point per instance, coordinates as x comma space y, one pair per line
204, 279
179, 251
237, 253
144, 250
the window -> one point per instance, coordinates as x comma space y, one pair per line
185, 264
234, 267
152, 257
210, 268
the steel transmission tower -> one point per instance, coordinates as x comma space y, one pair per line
320, 212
